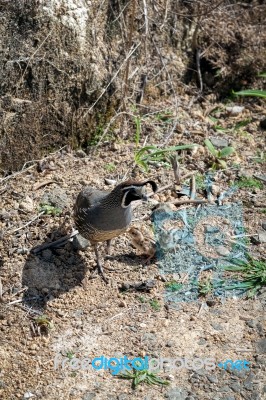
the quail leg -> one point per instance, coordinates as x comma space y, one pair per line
99, 266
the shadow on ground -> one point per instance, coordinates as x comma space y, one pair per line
52, 272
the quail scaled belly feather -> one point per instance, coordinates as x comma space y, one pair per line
103, 215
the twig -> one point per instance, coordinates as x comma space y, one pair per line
160, 190
27, 224
14, 302
113, 78
261, 178
188, 175
198, 69
188, 201
37, 186
1, 292
129, 45
60, 241
193, 187
176, 169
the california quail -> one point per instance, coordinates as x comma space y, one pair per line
103, 215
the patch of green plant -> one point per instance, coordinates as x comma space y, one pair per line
173, 286
154, 154
165, 116
110, 167
251, 92
262, 74
263, 211
70, 354
143, 376
142, 299
138, 129
200, 181
43, 323
205, 286
246, 182
49, 209
253, 275
219, 155
155, 305
260, 158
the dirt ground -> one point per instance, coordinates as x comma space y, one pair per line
89, 318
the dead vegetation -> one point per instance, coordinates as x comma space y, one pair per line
67, 71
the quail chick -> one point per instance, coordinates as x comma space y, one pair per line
103, 215
144, 244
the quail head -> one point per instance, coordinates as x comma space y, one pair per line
103, 215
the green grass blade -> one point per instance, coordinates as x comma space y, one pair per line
211, 147
251, 92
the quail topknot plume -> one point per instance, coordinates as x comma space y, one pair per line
103, 215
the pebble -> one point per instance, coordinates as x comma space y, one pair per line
225, 388
176, 394
89, 396
261, 346
217, 327
57, 198
219, 142
27, 204
122, 304
80, 243
80, 153
235, 110
251, 323
222, 251
262, 236
236, 387
212, 378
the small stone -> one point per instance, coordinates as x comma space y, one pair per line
262, 236
122, 396
223, 251
235, 387
89, 396
80, 243
170, 343
219, 142
56, 198
261, 346
122, 304
225, 388
80, 153
176, 394
28, 395
235, 110
211, 229
217, 327
27, 204
251, 323
212, 378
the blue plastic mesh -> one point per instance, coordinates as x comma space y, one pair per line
194, 240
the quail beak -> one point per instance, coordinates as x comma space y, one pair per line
144, 197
